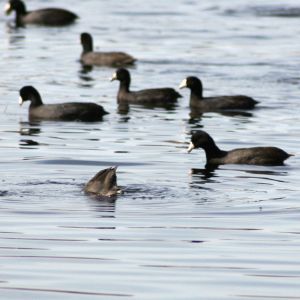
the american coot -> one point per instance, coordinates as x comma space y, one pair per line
46, 16
251, 156
70, 111
160, 96
214, 103
104, 183
89, 57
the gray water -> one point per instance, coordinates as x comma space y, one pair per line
177, 231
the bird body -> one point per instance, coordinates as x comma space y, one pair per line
89, 57
46, 16
251, 156
70, 111
149, 96
115, 59
156, 96
216, 103
223, 103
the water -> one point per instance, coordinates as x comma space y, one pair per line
178, 231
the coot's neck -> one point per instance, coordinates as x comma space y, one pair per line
88, 46
196, 94
20, 13
35, 99
212, 150
124, 85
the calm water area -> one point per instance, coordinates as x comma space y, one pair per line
178, 231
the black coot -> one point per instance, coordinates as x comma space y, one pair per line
90, 57
159, 96
251, 156
214, 103
71, 111
46, 16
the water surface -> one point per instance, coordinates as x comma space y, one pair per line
178, 231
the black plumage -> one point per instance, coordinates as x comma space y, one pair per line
70, 111
251, 156
214, 103
45, 16
89, 57
158, 96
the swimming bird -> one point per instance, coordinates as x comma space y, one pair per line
158, 96
104, 183
70, 111
45, 16
214, 103
89, 57
251, 156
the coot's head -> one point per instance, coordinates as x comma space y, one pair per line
29, 93
86, 41
16, 5
193, 83
122, 75
200, 139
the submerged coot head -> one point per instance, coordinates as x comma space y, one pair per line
16, 5
28, 93
121, 75
104, 183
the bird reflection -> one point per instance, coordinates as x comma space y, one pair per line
85, 77
196, 114
123, 108
195, 118
30, 128
28, 143
105, 206
15, 34
262, 173
85, 69
205, 173
167, 106
200, 177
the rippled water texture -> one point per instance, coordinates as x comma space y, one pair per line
178, 231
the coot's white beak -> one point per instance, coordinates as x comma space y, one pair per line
20, 101
191, 147
114, 77
183, 84
7, 8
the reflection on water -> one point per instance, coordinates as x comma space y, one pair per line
63, 292
123, 109
206, 173
268, 11
178, 228
28, 144
30, 129
85, 76
197, 114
